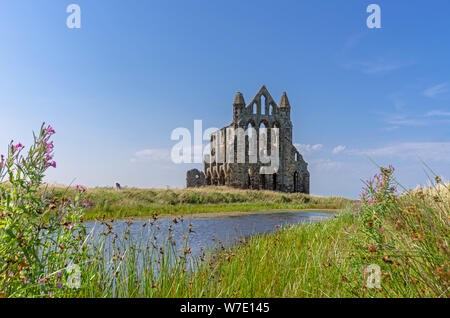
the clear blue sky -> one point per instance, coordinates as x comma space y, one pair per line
116, 88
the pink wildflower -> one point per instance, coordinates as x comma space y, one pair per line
49, 131
80, 187
18, 147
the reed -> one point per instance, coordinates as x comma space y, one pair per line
387, 244
405, 235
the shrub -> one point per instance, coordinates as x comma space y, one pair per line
39, 237
406, 235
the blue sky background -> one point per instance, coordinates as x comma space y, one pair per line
116, 88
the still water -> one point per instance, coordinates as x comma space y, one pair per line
207, 232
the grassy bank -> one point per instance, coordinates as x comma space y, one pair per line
386, 244
143, 202
403, 240
406, 237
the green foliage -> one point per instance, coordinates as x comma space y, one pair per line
41, 233
144, 202
38, 237
406, 236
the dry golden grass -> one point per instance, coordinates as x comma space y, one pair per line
437, 196
139, 202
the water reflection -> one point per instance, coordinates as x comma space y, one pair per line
204, 232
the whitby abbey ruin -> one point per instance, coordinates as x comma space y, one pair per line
255, 151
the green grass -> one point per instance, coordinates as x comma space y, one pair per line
143, 202
406, 236
327, 259
297, 261
292, 262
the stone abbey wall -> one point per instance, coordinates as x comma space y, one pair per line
265, 117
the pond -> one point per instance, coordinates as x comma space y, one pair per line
209, 230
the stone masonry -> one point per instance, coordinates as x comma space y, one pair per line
195, 178
261, 113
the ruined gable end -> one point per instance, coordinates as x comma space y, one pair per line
235, 159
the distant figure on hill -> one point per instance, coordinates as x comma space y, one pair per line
118, 187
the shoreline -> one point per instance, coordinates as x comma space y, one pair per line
108, 203
220, 214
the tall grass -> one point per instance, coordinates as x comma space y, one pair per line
405, 235
42, 235
144, 202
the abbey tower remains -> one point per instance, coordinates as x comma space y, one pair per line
268, 127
